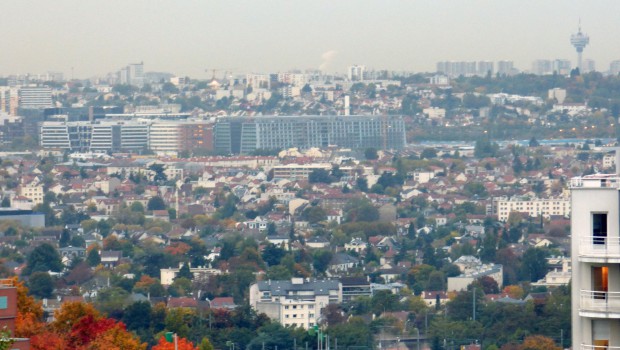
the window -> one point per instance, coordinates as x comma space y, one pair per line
3, 303
599, 228
294, 315
311, 315
600, 281
286, 307
311, 307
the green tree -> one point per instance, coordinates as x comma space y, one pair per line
137, 316
321, 260
184, 272
534, 264
314, 214
41, 285
353, 334
371, 154
93, 259
156, 203
320, 176
43, 258
358, 210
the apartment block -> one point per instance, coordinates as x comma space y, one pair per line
595, 254
297, 302
234, 135
534, 207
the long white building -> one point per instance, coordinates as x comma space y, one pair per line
502, 207
595, 253
99, 136
297, 302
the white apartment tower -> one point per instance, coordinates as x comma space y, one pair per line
595, 247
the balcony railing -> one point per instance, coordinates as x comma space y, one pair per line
599, 347
596, 181
599, 247
597, 301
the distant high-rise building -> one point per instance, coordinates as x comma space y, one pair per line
542, 67
356, 73
506, 68
579, 41
561, 66
133, 74
9, 100
36, 97
588, 65
485, 67
614, 67
465, 68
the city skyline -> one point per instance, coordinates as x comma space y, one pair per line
85, 40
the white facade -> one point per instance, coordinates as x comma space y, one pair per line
595, 252
167, 276
533, 207
297, 302
164, 137
35, 97
94, 136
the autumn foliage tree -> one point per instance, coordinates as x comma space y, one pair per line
538, 342
80, 326
182, 343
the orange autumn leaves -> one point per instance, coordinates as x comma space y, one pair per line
77, 326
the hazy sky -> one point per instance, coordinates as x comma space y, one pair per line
186, 37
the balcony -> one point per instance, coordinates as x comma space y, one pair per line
599, 347
599, 304
596, 181
599, 249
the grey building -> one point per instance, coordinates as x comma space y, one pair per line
26, 218
245, 135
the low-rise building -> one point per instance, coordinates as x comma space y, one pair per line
297, 302
533, 207
167, 276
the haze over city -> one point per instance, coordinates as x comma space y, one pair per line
188, 37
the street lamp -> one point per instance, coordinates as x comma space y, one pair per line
417, 330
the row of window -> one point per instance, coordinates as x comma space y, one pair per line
310, 307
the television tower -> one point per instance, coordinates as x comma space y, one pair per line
579, 41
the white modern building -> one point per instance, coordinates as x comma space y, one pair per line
595, 252
35, 97
297, 302
95, 136
534, 207
202, 273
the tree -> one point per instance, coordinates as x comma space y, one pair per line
361, 210
353, 334
6, 341
156, 203
184, 272
371, 154
320, 176
534, 142
205, 344
428, 153
137, 316
362, 184
158, 173
93, 258
43, 258
314, 214
539, 342
321, 260
534, 264
6, 202
41, 284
